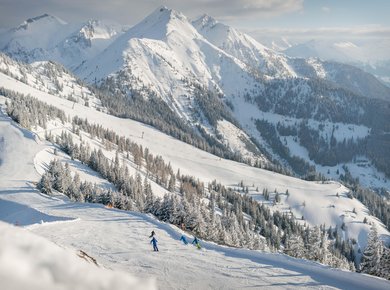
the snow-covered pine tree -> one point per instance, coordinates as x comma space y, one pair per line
295, 247
172, 183
74, 189
46, 183
313, 244
149, 198
372, 253
325, 254
384, 269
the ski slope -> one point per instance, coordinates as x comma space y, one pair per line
119, 240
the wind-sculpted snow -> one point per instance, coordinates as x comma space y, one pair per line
31, 262
23, 215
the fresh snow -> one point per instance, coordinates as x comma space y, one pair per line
28, 261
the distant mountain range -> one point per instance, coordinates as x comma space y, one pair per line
47, 37
372, 56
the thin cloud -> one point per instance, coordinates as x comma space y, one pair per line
239, 9
373, 31
325, 9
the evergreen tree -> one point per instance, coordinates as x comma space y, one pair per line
295, 247
384, 269
46, 183
313, 244
372, 254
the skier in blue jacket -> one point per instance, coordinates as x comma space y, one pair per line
183, 238
154, 242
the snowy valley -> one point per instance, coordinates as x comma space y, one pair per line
187, 128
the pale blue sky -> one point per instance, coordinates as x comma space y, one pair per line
330, 13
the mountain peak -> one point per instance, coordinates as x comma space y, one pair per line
97, 29
44, 18
163, 8
160, 23
205, 21
170, 13
30, 20
163, 15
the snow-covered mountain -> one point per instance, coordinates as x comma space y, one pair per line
273, 64
165, 53
84, 43
47, 37
372, 56
345, 75
33, 39
50, 77
175, 54
244, 48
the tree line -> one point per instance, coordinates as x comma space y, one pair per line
29, 112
